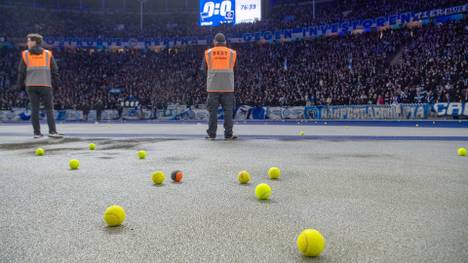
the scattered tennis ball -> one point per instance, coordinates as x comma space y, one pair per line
301, 133
263, 191
74, 164
158, 177
142, 154
177, 176
274, 173
311, 243
114, 215
92, 146
461, 151
40, 152
243, 177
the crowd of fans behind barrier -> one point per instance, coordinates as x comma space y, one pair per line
418, 65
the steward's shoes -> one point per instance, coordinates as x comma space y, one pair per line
55, 135
38, 136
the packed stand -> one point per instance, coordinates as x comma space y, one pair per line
356, 69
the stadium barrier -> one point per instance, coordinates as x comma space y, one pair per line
245, 112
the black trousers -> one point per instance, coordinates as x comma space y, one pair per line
226, 99
44, 95
98, 115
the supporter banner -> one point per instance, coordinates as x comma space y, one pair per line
132, 114
244, 112
391, 21
367, 112
197, 114
21, 114
11, 115
171, 112
65, 115
283, 113
106, 115
200, 114
451, 109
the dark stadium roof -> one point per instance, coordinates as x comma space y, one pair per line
150, 5
130, 5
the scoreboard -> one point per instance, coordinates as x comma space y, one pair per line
217, 12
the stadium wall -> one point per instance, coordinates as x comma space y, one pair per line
244, 112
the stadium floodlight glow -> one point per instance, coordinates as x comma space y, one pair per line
141, 13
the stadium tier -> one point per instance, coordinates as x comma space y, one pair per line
419, 64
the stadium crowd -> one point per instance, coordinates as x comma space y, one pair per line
338, 11
356, 69
411, 65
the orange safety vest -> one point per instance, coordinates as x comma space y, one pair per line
38, 72
220, 61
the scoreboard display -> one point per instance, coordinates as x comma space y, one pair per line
217, 12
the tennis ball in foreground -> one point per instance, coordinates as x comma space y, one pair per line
301, 133
274, 173
40, 152
158, 177
74, 164
92, 146
461, 151
142, 154
114, 215
263, 191
243, 177
311, 243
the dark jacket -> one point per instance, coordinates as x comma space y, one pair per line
22, 69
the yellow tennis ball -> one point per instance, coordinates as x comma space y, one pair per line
301, 133
311, 243
40, 152
243, 177
263, 191
158, 177
92, 146
114, 215
74, 164
274, 173
142, 154
461, 151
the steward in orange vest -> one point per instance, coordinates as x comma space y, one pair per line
220, 61
36, 69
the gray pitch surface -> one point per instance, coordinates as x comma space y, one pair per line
374, 201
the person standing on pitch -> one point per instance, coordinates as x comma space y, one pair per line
36, 70
220, 61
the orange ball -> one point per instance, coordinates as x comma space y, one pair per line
177, 176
